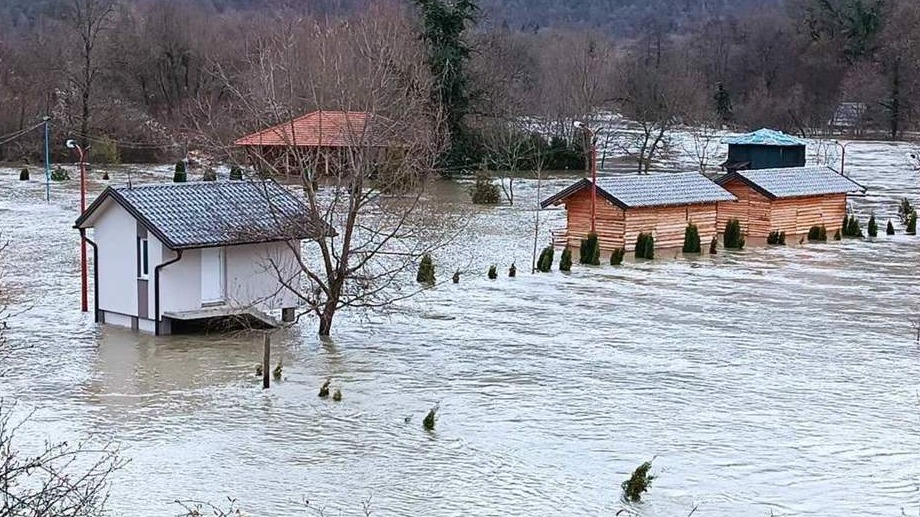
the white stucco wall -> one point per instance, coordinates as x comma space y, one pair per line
180, 282
115, 234
252, 275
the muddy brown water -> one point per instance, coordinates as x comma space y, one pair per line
778, 380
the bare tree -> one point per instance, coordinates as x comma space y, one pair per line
702, 143
369, 75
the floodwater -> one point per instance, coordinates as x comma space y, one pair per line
777, 381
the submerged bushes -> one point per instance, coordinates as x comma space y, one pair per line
565, 262
872, 227
692, 239
425, 271
733, 238
545, 263
590, 252
817, 234
777, 238
616, 258
638, 483
645, 246
850, 227
484, 191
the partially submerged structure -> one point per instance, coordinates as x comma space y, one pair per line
789, 200
660, 204
763, 149
180, 252
319, 140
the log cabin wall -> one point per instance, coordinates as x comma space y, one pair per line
668, 224
609, 221
797, 215
752, 210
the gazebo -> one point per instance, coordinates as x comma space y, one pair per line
319, 140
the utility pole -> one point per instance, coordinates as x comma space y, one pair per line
83, 277
47, 121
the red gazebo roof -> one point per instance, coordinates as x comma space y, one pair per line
320, 129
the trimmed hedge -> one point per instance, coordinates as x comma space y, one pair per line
733, 238
590, 252
692, 239
777, 238
817, 234
645, 246
180, 175
565, 261
545, 263
872, 227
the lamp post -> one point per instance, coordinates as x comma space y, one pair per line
843, 155
592, 166
71, 144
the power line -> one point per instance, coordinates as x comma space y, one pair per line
13, 136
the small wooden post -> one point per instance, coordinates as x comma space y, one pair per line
266, 361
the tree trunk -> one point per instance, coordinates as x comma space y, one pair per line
325, 319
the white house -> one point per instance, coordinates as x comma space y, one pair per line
167, 253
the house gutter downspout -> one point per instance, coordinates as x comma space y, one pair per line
95, 274
156, 291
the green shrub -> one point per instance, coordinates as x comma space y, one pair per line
645, 246
104, 151
493, 272
692, 239
817, 234
733, 238
912, 224
431, 418
236, 173
590, 252
616, 258
276, 373
638, 483
837, 235
180, 175
512, 271
59, 174
24, 174
714, 245
777, 238
872, 227
904, 210
456, 277
484, 191
851, 227
209, 175
545, 264
889, 230
337, 395
425, 271
565, 261
324, 389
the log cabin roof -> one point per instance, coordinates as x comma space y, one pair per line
210, 213
795, 182
637, 191
764, 137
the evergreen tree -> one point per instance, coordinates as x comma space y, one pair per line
180, 175
733, 238
565, 262
444, 25
425, 271
493, 272
645, 246
714, 245
872, 226
723, 104
912, 224
616, 258
692, 239
590, 251
545, 263
889, 230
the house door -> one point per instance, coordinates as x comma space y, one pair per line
213, 273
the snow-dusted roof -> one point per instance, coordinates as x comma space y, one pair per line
795, 181
764, 137
636, 191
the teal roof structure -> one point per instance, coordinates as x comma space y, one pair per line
764, 137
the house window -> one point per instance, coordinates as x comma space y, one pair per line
143, 262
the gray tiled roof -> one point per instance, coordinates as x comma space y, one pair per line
798, 181
636, 191
210, 213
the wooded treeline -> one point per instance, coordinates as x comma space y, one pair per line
147, 77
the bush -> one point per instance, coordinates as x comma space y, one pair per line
616, 258
512, 271
104, 151
24, 174
565, 261
904, 210
645, 246
692, 239
484, 191
777, 238
817, 234
59, 174
545, 264
209, 175
733, 238
638, 483
425, 271
236, 173
912, 224
493, 272
872, 227
837, 235
851, 227
430, 418
590, 252
180, 175
714, 245
889, 230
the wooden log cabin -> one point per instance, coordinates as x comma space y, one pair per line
790, 200
660, 204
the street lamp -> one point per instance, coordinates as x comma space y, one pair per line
843, 155
71, 144
592, 165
